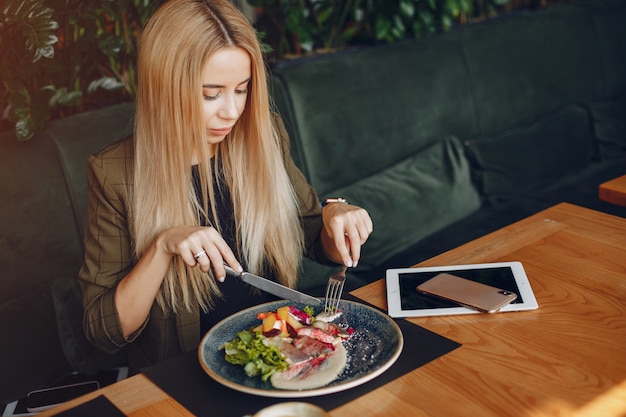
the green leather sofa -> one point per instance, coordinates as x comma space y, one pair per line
42, 219
442, 139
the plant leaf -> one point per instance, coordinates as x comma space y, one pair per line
407, 8
382, 28
23, 129
63, 97
398, 29
111, 45
106, 83
36, 23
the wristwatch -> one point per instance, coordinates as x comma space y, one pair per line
334, 200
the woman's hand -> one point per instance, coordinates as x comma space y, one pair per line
202, 246
346, 228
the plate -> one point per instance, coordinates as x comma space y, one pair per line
373, 347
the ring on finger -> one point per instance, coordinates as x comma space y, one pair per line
200, 254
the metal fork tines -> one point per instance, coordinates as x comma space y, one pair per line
334, 288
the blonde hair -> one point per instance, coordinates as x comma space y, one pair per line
169, 128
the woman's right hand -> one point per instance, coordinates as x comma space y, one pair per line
201, 246
136, 292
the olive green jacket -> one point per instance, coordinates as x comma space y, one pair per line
109, 258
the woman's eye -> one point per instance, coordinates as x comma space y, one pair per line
212, 97
242, 92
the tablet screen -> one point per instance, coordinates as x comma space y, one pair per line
403, 300
410, 299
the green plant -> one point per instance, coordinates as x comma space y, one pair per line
302, 26
66, 56
60, 57
296, 27
397, 19
27, 34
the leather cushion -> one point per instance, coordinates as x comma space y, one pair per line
68, 310
31, 356
529, 157
354, 113
414, 198
609, 126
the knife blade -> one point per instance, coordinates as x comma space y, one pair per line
274, 288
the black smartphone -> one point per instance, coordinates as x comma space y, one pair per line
44, 399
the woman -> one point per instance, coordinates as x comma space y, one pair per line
205, 181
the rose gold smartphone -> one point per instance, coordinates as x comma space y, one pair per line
468, 293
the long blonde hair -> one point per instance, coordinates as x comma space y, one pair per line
169, 129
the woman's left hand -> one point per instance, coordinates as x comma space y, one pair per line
346, 228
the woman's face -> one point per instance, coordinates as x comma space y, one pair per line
225, 79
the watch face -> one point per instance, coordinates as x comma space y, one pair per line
334, 200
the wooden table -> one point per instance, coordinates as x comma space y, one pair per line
614, 191
568, 358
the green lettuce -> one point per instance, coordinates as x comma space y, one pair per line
257, 358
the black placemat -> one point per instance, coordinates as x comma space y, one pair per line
185, 381
98, 407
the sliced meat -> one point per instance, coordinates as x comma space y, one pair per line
291, 352
298, 368
312, 347
315, 373
316, 333
304, 369
332, 329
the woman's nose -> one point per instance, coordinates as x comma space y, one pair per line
229, 108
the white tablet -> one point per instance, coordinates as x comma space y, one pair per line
403, 300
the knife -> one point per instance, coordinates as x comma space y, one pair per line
273, 287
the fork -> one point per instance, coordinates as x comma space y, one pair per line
334, 288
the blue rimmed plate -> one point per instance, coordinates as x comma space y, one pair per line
375, 345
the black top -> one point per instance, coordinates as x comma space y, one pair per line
237, 295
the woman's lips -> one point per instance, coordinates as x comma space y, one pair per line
221, 132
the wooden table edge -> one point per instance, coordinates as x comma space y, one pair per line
614, 191
136, 395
